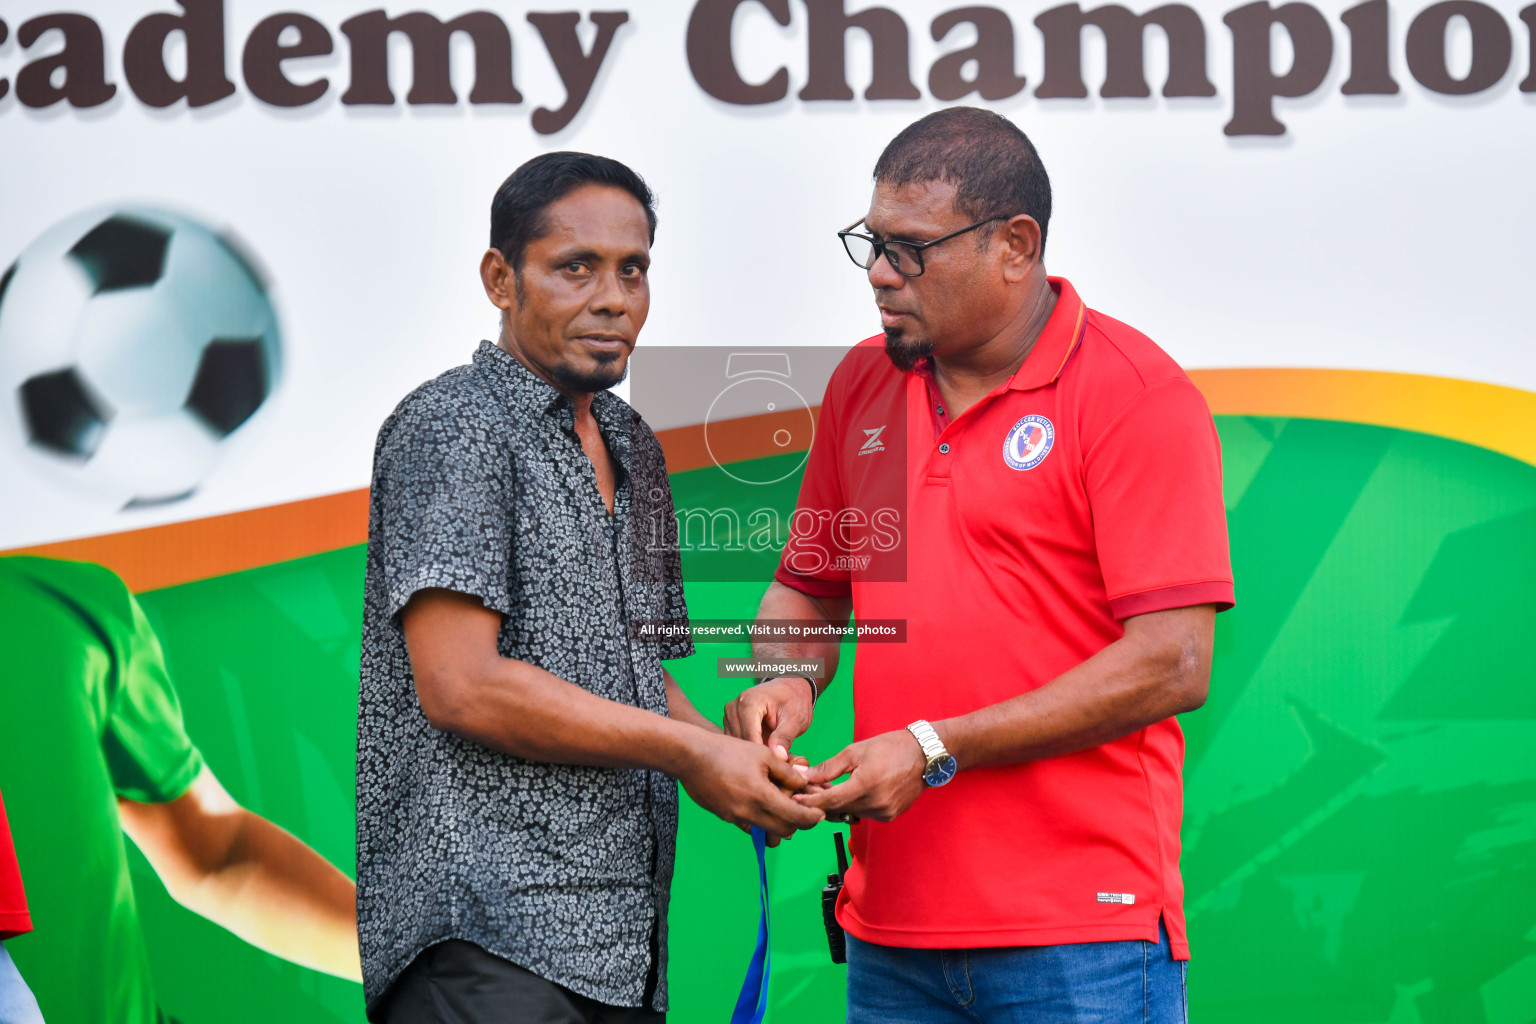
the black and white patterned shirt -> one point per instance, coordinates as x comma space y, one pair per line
481, 486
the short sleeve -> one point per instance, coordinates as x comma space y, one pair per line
149, 755
810, 554
14, 918
1154, 486
442, 506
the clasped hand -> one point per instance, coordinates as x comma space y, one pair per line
746, 784
885, 772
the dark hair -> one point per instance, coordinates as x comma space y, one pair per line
993, 165
517, 212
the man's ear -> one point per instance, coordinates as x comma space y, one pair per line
499, 279
1021, 236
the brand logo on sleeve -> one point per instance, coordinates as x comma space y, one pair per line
872, 442
1029, 442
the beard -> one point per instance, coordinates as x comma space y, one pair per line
607, 373
905, 355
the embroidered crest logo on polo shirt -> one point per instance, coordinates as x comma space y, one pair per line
1029, 442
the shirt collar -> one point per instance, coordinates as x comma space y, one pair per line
525, 386
1062, 333
1059, 338
613, 415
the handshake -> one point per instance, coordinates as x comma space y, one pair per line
748, 776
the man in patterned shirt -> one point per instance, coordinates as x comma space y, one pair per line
517, 745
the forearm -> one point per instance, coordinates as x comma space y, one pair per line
246, 874
781, 602
281, 896
1130, 684
523, 710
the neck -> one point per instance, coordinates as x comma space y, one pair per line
507, 342
998, 358
965, 378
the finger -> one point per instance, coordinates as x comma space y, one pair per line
841, 764
779, 750
848, 798
785, 775
789, 815
800, 761
785, 732
749, 719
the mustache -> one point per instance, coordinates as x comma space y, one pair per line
885, 298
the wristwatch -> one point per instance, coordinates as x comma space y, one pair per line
940, 764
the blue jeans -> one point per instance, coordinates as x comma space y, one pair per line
16, 1003
1131, 982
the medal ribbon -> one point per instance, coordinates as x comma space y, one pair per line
753, 1001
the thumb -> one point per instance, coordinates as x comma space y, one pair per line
780, 739
844, 762
786, 775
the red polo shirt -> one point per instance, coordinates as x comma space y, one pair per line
14, 918
1085, 490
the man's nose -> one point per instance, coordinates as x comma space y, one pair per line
609, 296
883, 275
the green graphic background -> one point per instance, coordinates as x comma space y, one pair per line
1360, 834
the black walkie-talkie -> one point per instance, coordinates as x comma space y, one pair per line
837, 942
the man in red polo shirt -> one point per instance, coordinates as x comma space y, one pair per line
1057, 481
17, 1005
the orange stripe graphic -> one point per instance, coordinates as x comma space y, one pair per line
1489, 416
165, 556
750, 437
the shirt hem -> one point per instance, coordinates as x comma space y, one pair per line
373, 1008
984, 938
173, 787
1186, 595
14, 923
812, 585
437, 577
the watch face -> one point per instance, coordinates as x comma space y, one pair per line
940, 770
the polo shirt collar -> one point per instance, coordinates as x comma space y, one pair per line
1062, 333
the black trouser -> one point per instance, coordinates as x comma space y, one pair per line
456, 982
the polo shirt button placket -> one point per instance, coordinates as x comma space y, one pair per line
944, 448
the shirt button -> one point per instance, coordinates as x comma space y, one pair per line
939, 409
944, 449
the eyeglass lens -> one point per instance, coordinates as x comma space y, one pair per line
902, 256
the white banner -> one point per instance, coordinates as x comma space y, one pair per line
1305, 186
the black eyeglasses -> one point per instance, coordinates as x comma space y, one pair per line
905, 257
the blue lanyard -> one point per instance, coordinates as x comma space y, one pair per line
753, 1001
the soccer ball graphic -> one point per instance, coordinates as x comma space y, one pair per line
133, 342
